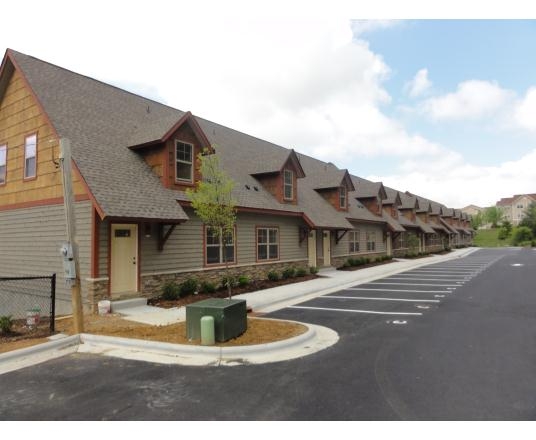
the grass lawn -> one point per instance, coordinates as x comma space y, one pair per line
489, 238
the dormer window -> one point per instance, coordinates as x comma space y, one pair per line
184, 168
342, 197
288, 184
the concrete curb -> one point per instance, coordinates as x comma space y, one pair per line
24, 357
316, 338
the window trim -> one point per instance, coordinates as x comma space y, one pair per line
177, 179
257, 228
205, 253
285, 184
343, 193
4, 147
354, 241
33, 177
368, 236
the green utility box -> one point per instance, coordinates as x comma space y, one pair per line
230, 318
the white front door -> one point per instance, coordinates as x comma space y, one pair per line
327, 248
124, 255
311, 248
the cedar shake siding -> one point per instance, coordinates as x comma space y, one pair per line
30, 239
20, 117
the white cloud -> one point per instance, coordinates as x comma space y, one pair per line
458, 184
419, 84
473, 99
525, 113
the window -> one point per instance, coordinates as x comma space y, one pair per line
184, 161
30, 156
371, 241
3, 163
353, 240
267, 244
216, 251
342, 197
520, 206
288, 184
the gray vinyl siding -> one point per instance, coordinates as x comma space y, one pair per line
104, 231
30, 240
342, 248
184, 251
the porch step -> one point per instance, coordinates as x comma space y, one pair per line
118, 306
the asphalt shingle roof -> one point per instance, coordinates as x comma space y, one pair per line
100, 120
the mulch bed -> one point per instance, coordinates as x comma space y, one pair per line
364, 266
253, 286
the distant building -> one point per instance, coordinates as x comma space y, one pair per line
472, 210
514, 207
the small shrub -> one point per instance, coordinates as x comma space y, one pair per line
313, 270
346, 264
188, 287
273, 275
207, 287
301, 272
521, 234
5, 324
366, 260
352, 261
226, 281
243, 280
289, 272
533, 243
171, 291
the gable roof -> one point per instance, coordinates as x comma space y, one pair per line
99, 120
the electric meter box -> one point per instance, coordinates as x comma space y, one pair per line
69, 268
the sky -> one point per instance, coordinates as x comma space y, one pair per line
442, 108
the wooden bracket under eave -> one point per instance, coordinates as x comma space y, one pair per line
304, 233
338, 235
163, 237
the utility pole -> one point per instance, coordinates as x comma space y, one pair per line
72, 279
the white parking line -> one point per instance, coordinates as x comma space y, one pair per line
371, 312
414, 284
382, 299
427, 279
399, 290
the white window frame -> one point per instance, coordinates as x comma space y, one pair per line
342, 197
3, 164
268, 244
27, 157
288, 184
371, 240
221, 247
353, 241
190, 163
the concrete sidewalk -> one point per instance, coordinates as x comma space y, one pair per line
331, 280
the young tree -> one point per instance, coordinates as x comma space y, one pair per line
493, 215
213, 203
529, 218
477, 221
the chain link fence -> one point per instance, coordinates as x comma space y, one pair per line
29, 298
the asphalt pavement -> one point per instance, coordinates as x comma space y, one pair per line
450, 341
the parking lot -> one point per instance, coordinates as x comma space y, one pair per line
469, 354
407, 295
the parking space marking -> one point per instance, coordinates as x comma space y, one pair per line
412, 284
370, 312
382, 299
454, 280
399, 290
